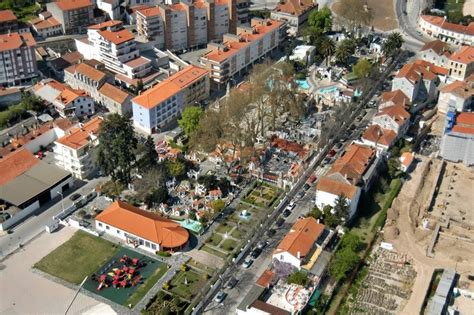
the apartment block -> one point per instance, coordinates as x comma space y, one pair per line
461, 63
294, 12
150, 25
161, 104
46, 25
238, 52
111, 8
76, 151
437, 52
85, 77
8, 22
458, 96
451, 33
74, 15
17, 59
416, 81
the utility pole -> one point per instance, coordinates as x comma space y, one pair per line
75, 295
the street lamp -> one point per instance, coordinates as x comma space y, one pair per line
75, 295
62, 199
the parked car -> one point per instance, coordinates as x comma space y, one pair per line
332, 153
262, 244
255, 253
247, 263
326, 160
291, 206
286, 213
280, 222
231, 283
75, 196
220, 297
270, 232
306, 186
300, 194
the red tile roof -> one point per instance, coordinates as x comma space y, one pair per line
266, 278
438, 46
104, 25
354, 162
66, 5
441, 22
396, 97
415, 72
464, 89
295, 7
432, 68
80, 136
301, 238
87, 71
336, 187
15, 41
169, 87
149, 12
464, 55
41, 24
396, 112
114, 93
407, 158
118, 37
7, 16
465, 119
289, 146
68, 95
377, 134
15, 164
144, 224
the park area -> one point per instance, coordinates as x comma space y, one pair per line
115, 273
262, 195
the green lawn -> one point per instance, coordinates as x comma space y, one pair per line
196, 282
228, 245
143, 289
224, 229
214, 252
215, 239
79, 257
237, 233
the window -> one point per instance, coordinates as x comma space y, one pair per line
147, 244
107, 227
153, 246
100, 224
140, 241
118, 232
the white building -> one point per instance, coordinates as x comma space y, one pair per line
75, 152
164, 102
461, 63
328, 190
304, 53
457, 143
436, 52
111, 8
294, 12
394, 118
74, 15
298, 244
46, 25
458, 95
416, 81
378, 137
438, 27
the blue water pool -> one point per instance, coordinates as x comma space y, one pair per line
303, 84
329, 89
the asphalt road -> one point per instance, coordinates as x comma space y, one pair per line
407, 12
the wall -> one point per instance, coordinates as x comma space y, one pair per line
288, 258
43, 140
19, 216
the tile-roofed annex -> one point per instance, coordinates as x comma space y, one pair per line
301, 238
336, 187
68, 95
149, 12
432, 67
105, 25
464, 55
78, 137
414, 72
463, 89
396, 97
295, 7
87, 71
397, 112
67, 5
170, 86
147, 225
377, 134
117, 37
353, 163
16, 164
46, 23
442, 23
15, 41
438, 46
7, 16
113, 93
407, 158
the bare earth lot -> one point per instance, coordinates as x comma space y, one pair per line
383, 13
26, 292
468, 8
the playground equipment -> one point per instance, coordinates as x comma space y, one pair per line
121, 274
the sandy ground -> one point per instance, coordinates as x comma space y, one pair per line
26, 292
468, 8
383, 13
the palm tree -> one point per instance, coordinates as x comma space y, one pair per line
392, 45
344, 51
327, 48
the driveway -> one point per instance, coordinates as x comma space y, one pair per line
24, 291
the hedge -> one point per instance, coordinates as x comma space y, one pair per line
396, 185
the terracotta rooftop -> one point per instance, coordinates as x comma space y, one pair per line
139, 61
41, 24
396, 97
149, 12
377, 134
407, 158
354, 162
336, 187
289, 146
415, 72
396, 112
7, 16
72, 57
432, 67
104, 25
170, 86
15, 41
80, 136
15, 164
441, 22
118, 37
144, 224
68, 95
464, 55
67, 5
87, 71
438, 46
114, 93
295, 7
301, 238
266, 278
466, 119
464, 89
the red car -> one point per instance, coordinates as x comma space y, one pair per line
311, 179
331, 153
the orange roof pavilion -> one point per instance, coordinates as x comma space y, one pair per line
144, 224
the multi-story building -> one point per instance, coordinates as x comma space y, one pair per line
85, 77
243, 9
458, 95
8, 22
394, 117
76, 151
150, 25
74, 15
457, 143
115, 47
17, 59
238, 52
164, 102
294, 12
437, 52
378, 137
395, 97
416, 81
111, 8
46, 25
461, 63
451, 33
176, 27
115, 99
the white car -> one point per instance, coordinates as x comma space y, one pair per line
247, 263
220, 297
291, 206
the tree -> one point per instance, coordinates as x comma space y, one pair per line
139, 87
117, 144
112, 189
393, 166
341, 207
190, 119
327, 49
392, 45
362, 68
315, 213
331, 220
218, 205
298, 277
344, 261
155, 195
224, 186
209, 181
321, 19
149, 158
175, 168
344, 51
352, 241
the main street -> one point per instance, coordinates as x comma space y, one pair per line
408, 12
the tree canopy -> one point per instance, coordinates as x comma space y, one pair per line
392, 45
321, 19
117, 145
298, 277
149, 156
362, 68
175, 168
190, 119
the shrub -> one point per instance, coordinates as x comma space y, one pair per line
163, 253
183, 267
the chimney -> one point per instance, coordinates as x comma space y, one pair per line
298, 254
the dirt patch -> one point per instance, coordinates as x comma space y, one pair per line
468, 8
383, 13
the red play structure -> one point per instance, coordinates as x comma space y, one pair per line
121, 274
